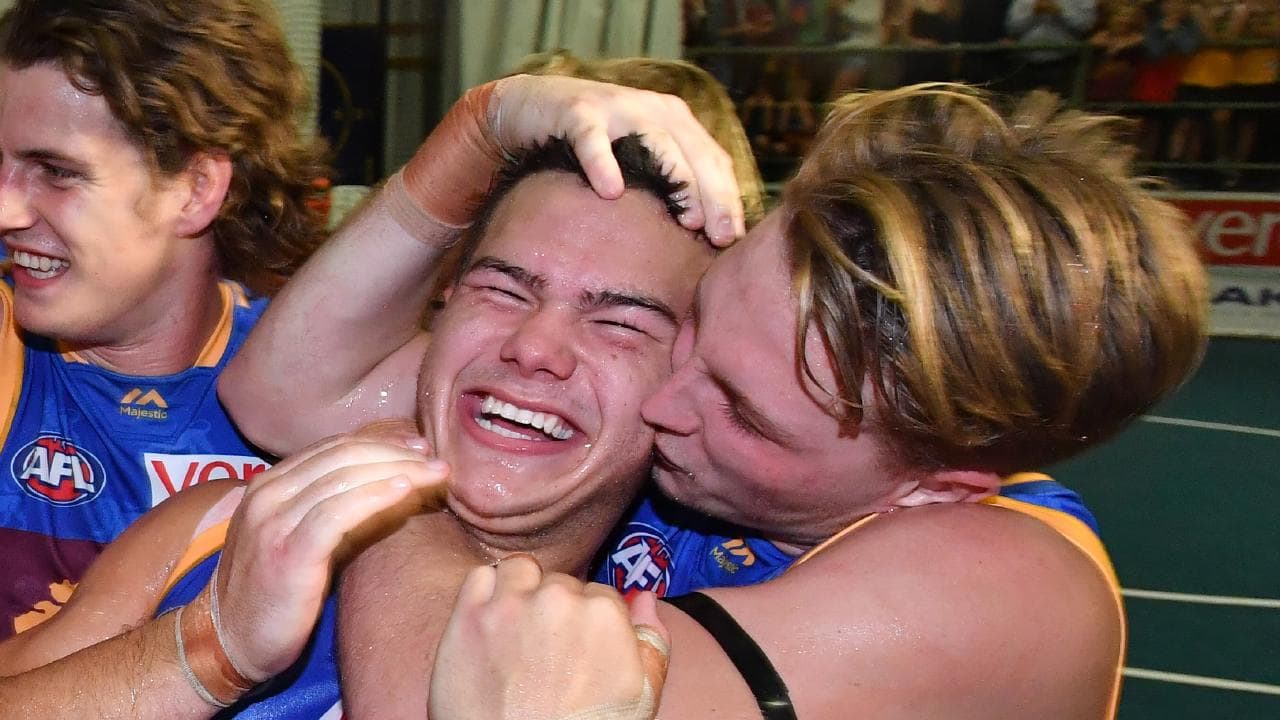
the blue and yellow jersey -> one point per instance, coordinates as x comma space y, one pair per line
87, 450
670, 550
663, 548
1041, 497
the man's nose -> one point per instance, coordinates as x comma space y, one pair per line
671, 408
15, 200
542, 344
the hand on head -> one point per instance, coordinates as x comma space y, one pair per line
289, 531
535, 646
526, 109
452, 171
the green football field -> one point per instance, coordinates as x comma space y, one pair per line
1187, 500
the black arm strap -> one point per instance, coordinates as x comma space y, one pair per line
754, 666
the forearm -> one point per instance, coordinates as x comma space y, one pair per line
351, 306
348, 320
133, 675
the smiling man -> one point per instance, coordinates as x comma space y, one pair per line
558, 324
151, 181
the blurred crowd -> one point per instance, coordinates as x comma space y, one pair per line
1197, 74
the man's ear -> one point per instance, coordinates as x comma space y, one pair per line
207, 178
951, 486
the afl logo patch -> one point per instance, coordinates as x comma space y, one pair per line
53, 469
641, 561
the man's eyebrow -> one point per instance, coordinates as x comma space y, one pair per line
47, 155
616, 298
515, 272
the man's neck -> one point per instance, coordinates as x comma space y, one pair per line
167, 343
567, 548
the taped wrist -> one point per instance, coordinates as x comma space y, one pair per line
451, 173
203, 660
641, 708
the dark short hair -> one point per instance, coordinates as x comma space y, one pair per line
641, 170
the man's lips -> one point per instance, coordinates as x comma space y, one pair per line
36, 266
661, 460
506, 426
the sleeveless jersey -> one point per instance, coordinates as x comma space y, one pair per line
86, 451
717, 557
1061, 509
670, 550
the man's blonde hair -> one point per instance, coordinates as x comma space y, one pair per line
1007, 289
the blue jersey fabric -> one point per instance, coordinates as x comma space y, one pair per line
308, 690
86, 451
669, 550
696, 553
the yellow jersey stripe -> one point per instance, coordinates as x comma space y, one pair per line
205, 544
13, 358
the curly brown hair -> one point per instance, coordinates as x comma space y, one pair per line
183, 77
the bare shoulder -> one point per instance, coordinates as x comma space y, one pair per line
942, 611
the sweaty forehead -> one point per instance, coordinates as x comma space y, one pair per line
553, 225
41, 108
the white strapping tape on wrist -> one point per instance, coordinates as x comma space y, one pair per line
641, 708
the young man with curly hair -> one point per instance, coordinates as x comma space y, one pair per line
153, 186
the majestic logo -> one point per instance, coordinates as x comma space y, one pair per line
641, 561
53, 469
732, 555
149, 405
170, 474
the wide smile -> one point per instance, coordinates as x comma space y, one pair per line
501, 417
40, 267
509, 425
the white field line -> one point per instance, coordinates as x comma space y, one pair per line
1205, 425
1266, 603
1201, 680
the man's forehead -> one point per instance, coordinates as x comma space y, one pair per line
40, 107
554, 221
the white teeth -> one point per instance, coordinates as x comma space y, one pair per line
549, 423
40, 266
501, 430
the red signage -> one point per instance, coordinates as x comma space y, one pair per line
1234, 229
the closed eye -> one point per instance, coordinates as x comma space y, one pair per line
737, 419
503, 291
57, 172
623, 325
